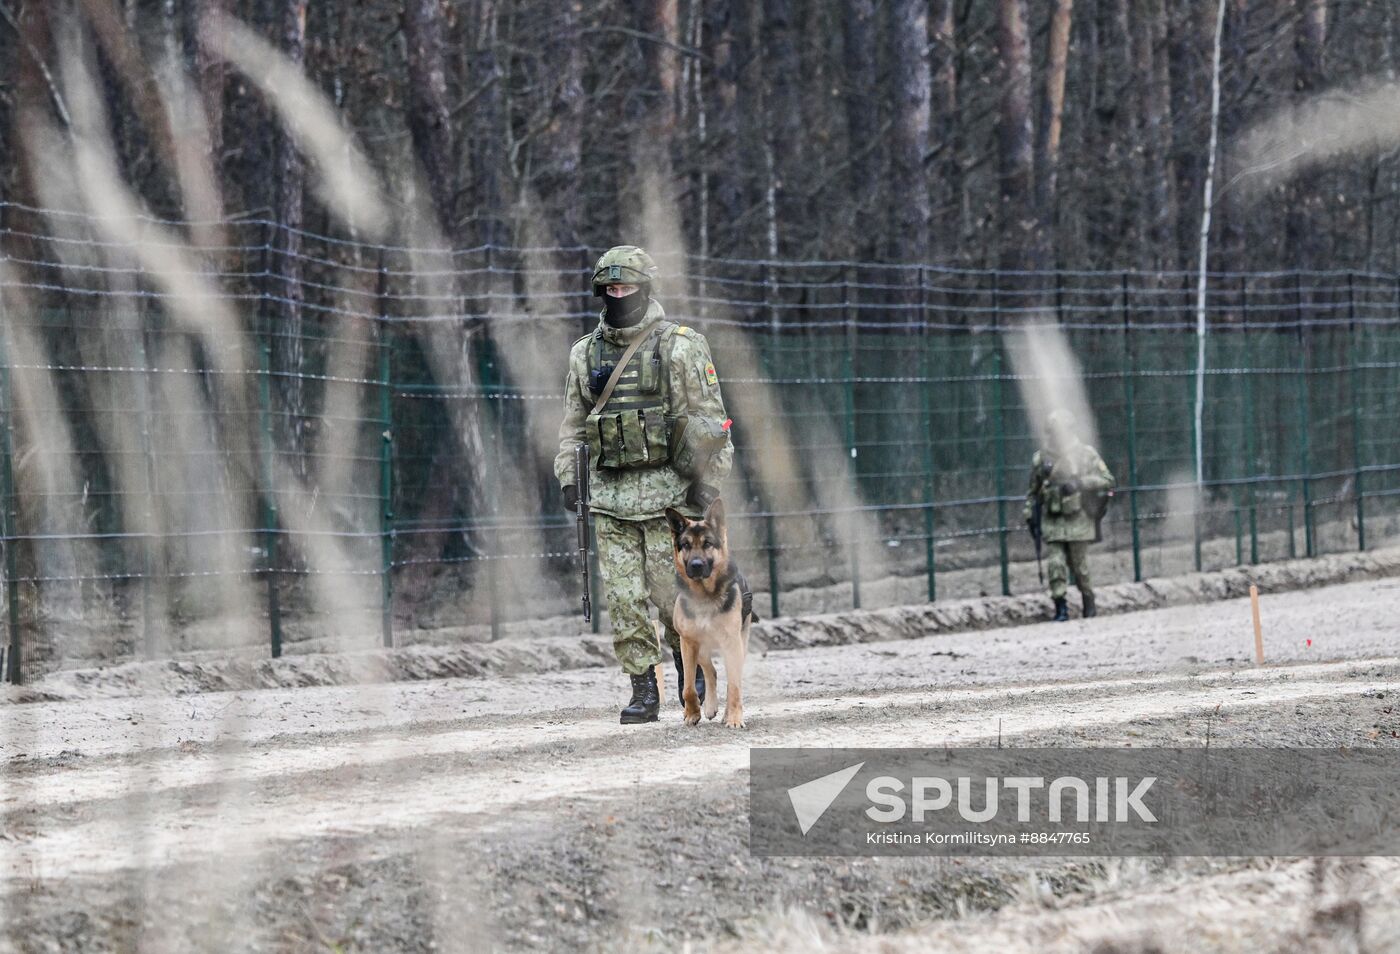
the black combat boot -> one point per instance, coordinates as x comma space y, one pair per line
1061, 610
645, 699
1090, 610
680, 678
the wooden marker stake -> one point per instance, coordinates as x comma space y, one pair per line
1258, 629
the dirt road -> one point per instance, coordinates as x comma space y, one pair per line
514, 812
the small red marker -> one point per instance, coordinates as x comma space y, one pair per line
1310, 642
728, 423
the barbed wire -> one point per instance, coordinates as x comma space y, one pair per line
895, 387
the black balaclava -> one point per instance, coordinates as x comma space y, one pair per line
626, 311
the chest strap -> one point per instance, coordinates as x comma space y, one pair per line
663, 344
617, 372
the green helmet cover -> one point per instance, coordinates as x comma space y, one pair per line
623, 265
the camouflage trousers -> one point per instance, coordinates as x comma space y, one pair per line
1064, 558
639, 571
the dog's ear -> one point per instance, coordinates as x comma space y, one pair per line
676, 521
714, 516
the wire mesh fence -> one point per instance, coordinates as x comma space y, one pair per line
301, 442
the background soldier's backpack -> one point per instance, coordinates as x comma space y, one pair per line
694, 440
1095, 506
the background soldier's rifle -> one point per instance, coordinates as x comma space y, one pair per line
1033, 524
581, 519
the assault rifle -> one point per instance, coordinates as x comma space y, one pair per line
581, 519
1033, 524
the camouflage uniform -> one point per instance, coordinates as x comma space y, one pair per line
634, 542
1068, 529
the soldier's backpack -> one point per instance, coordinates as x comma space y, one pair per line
1095, 503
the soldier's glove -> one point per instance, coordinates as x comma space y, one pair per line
570, 497
700, 496
1070, 486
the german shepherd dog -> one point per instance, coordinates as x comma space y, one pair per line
713, 612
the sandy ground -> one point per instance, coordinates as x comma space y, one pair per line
513, 812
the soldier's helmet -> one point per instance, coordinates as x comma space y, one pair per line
624, 265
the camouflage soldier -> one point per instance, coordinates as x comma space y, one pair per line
1070, 483
661, 439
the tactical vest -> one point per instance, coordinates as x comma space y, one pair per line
1061, 469
632, 430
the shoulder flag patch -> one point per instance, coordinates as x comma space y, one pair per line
710, 377
684, 330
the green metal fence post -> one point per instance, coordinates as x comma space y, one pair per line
1239, 525
853, 546
1304, 424
269, 494
771, 538
9, 522
999, 398
1249, 423
1237, 488
1059, 298
1129, 405
1354, 374
386, 461
770, 359
1237, 455
927, 409
1198, 502
1198, 498
143, 401
489, 413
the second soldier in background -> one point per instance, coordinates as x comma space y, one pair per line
1069, 489
658, 437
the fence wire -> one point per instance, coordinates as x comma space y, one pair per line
319, 443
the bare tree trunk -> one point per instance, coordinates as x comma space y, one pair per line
946, 145
1014, 138
1125, 134
782, 107
289, 174
1207, 194
208, 73
429, 117
722, 29
911, 86
1051, 121
696, 86
862, 125
660, 20
563, 141
738, 82
1154, 78
485, 79
1231, 249
1303, 228
171, 28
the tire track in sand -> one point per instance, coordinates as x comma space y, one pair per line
267, 798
